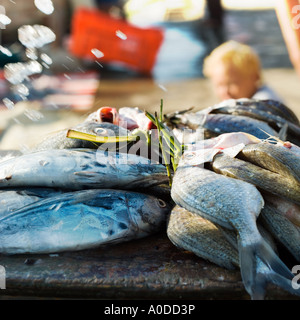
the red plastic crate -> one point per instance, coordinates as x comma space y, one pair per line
93, 29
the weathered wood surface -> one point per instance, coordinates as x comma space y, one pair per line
150, 268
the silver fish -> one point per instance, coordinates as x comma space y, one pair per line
12, 200
77, 169
274, 158
276, 216
189, 231
224, 123
260, 108
230, 203
283, 185
276, 122
81, 220
59, 139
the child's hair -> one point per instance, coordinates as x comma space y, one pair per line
232, 53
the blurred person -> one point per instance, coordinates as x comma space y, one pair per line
215, 18
288, 14
235, 72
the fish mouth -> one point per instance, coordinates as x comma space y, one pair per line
108, 114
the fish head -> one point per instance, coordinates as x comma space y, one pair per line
107, 129
155, 211
107, 114
104, 114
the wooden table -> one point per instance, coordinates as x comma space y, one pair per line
149, 268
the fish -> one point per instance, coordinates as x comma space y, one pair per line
233, 204
81, 220
76, 169
216, 124
273, 182
276, 122
59, 140
14, 199
189, 231
269, 106
278, 217
274, 158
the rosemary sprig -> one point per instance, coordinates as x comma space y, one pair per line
162, 149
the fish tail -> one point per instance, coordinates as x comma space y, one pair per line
254, 281
283, 283
271, 259
248, 268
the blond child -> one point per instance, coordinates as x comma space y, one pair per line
235, 72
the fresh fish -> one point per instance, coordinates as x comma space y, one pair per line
191, 232
277, 107
12, 200
223, 123
278, 217
230, 203
59, 140
282, 185
274, 158
271, 107
81, 220
276, 122
77, 169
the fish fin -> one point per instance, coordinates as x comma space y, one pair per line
254, 281
271, 259
282, 134
248, 266
258, 291
282, 282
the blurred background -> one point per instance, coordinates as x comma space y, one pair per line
124, 53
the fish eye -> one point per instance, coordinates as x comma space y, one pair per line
189, 155
100, 131
162, 203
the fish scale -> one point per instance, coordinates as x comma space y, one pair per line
76, 169
82, 221
282, 229
191, 232
274, 158
275, 183
233, 204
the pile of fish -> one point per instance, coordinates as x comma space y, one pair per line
234, 196
237, 195
67, 194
